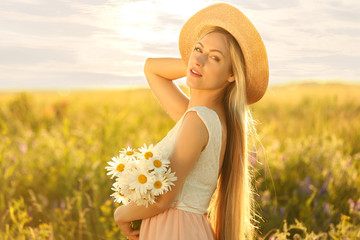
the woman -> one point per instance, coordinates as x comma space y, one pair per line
226, 68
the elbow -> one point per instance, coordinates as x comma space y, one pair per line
147, 65
163, 205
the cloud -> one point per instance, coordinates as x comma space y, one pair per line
29, 56
44, 29
313, 40
39, 8
91, 42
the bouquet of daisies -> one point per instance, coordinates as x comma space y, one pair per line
140, 175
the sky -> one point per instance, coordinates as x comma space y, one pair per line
104, 43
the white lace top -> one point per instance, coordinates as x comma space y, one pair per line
201, 182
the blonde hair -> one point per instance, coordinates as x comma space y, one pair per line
231, 207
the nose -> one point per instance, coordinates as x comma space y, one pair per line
199, 60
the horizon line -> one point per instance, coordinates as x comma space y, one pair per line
135, 87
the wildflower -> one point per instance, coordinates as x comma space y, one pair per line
140, 175
159, 164
160, 186
118, 166
170, 177
118, 195
129, 152
146, 199
146, 152
141, 180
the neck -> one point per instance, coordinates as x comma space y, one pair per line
209, 98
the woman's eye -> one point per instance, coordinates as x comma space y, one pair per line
215, 58
197, 49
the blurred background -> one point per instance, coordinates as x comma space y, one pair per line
73, 93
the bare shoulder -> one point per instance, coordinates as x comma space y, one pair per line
190, 141
193, 133
193, 121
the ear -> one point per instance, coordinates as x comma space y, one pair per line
231, 78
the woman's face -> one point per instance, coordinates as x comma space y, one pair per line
209, 65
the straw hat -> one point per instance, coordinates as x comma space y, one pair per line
235, 22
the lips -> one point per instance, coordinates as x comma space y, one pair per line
195, 73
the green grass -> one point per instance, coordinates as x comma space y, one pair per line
54, 147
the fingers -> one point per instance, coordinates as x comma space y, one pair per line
133, 238
126, 229
134, 233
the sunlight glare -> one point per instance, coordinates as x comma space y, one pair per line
143, 19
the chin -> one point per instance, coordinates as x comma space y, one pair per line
191, 83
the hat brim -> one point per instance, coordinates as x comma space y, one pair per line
238, 25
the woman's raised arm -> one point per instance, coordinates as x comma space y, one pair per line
160, 73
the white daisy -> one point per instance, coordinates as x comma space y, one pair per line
160, 186
141, 176
129, 153
118, 166
133, 195
123, 183
159, 164
146, 199
129, 193
170, 177
146, 152
119, 196
141, 180
143, 163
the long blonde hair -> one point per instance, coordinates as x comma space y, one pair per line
231, 207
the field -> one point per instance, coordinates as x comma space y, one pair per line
54, 147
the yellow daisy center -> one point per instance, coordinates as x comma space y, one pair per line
129, 153
142, 179
157, 185
122, 195
120, 167
157, 163
148, 155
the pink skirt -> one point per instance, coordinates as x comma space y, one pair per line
176, 224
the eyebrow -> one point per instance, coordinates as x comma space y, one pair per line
216, 50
